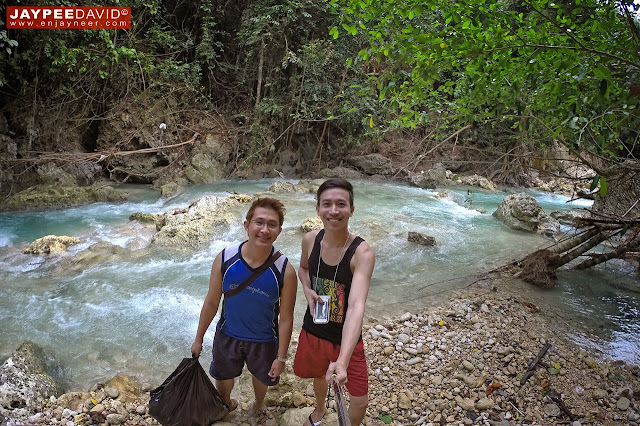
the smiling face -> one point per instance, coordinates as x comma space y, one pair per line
334, 208
264, 226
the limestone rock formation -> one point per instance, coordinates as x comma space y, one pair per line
50, 244
24, 381
522, 212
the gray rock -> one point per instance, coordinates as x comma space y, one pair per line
552, 410
281, 186
116, 419
430, 179
422, 239
341, 172
24, 380
194, 226
484, 404
623, 403
371, 164
477, 180
522, 212
112, 392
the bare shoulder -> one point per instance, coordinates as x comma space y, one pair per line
363, 259
217, 261
310, 237
364, 252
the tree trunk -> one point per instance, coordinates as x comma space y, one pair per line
574, 241
582, 248
260, 65
618, 252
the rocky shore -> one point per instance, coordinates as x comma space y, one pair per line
466, 362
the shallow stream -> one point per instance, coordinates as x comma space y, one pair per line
138, 315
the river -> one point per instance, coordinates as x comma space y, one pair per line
138, 315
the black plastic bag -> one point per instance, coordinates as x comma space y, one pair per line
187, 398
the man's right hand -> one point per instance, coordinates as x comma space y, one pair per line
196, 348
312, 298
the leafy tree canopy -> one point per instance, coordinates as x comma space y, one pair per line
564, 70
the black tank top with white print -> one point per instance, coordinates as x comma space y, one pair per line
339, 290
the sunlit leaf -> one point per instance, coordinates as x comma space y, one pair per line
385, 418
603, 187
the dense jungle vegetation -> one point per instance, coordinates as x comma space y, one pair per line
510, 80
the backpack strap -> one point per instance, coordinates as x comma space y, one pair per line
266, 265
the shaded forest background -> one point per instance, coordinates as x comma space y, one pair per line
499, 88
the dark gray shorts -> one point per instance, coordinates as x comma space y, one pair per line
230, 355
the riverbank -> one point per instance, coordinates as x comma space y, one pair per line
463, 362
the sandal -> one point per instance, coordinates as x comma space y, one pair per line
312, 423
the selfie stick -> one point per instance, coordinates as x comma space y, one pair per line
343, 417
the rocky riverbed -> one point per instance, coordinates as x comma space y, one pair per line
466, 362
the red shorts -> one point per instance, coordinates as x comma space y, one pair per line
314, 355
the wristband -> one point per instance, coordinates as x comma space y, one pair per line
281, 359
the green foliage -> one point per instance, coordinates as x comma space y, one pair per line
569, 67
386, 419
597, 179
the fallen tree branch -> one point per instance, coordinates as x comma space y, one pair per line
534, 363
42, 157
557, 398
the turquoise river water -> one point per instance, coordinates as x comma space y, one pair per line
138, 315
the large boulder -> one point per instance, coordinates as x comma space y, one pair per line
209, 161
281, 186
50, 174
170, 189
195, 225
477, 180
430, 179
341, 172
24, 381
371, 164
522, 212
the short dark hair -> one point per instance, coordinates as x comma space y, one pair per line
267, 203
335, 183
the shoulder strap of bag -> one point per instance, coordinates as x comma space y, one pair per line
267, 264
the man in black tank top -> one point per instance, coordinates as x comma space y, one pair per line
338, 266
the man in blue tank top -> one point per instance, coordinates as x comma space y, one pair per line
338, 265
256, 323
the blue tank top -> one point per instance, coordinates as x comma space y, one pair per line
252, 314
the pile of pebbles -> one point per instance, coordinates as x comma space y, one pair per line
465, 363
